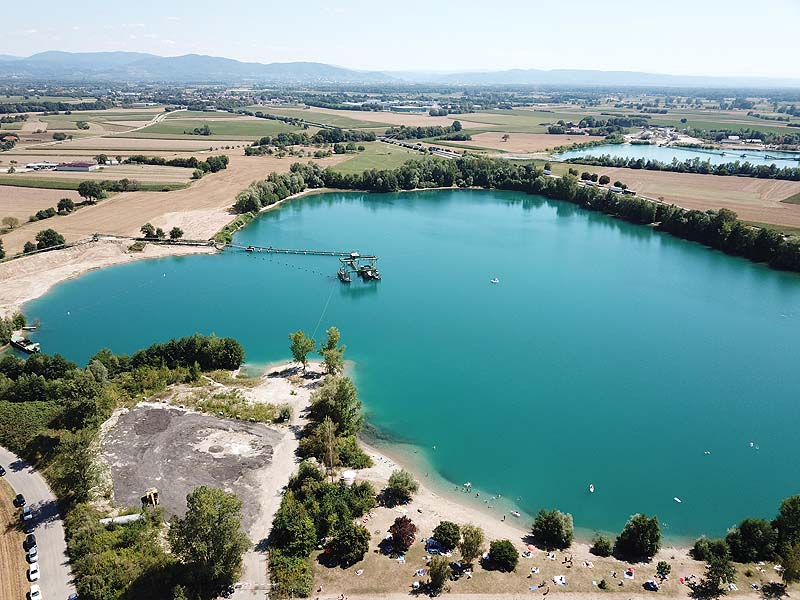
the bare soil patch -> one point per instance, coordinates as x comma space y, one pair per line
138, 172
524, 142
22, 202
408, 119
13, 568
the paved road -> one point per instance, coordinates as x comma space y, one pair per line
56, 581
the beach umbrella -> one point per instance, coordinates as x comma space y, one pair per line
531, 547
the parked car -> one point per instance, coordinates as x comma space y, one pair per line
73, 597
33, 572
2, 471
30, 542
35, 593
19, 500
33, 555
28, 526
27, 514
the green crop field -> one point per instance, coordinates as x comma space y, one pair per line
244, 129
21, 99
517, 121
199, 114
49, 183
376, 156
334, 120
11, 126
792, 199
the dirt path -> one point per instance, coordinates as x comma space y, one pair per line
13, 582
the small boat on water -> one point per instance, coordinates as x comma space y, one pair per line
29, 328
249, 249
591, 488
343, 275
24, 344
515, 513
494, 280
678, 500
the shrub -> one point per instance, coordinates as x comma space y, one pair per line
447, 534
601, 546
641, 537
503, 555
292, 576
553, 529
403, 533
663, 568
471, 544
602, 585
401, 487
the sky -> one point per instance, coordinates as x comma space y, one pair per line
682, 37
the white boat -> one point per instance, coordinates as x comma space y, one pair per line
678, 500
591, 488
468, 484
515, 513
494, 280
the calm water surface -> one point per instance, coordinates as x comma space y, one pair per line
608, 353
667, 153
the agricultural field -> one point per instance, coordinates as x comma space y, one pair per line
349, 120
376, 156
69, 99
520, 142
21, 202
242, 128
200, 210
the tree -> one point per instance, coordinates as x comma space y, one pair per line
403, 533
506, 137
787, 523
2, 250
457, 126
101, 159
301, 345
10, 222
76, 470
29, 247
209, 539
790, 561
292, 528
439, 572
175, 233
337, 398
401, 487
331, 456
59, 136
471, 544
160, 233
663, 568
148, 230
91, 190
447, 534
553, 529
601, 546
719, 571
503, 555
332, 353
66, 205
604, 179
751, 541
704, 549
350, 543
48, 238
641, 537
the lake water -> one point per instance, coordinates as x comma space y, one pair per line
607, 354
667, 153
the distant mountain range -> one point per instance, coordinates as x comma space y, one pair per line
196, 68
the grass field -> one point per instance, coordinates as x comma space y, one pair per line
13, 582
517, 121
200, 114
17, 99
376, 156
11, 126
242, 128
334, 120
792, 199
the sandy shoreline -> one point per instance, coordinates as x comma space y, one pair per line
30, 277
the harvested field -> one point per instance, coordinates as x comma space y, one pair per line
138, 172
758, 200
21, 202
200, 210
384, 118
176, 451
119, 144
243, 128
13, 582
523, 142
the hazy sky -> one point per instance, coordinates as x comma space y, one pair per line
711, 37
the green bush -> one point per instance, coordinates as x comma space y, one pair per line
553, 529
503, 556
292, 576
447, 534
401, 487
601, 546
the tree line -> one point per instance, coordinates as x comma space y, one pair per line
768, 137
51, 107
693, 165
416, 133
718, 229
212, 164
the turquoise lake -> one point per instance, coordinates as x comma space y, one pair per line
607, 354
667, 153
